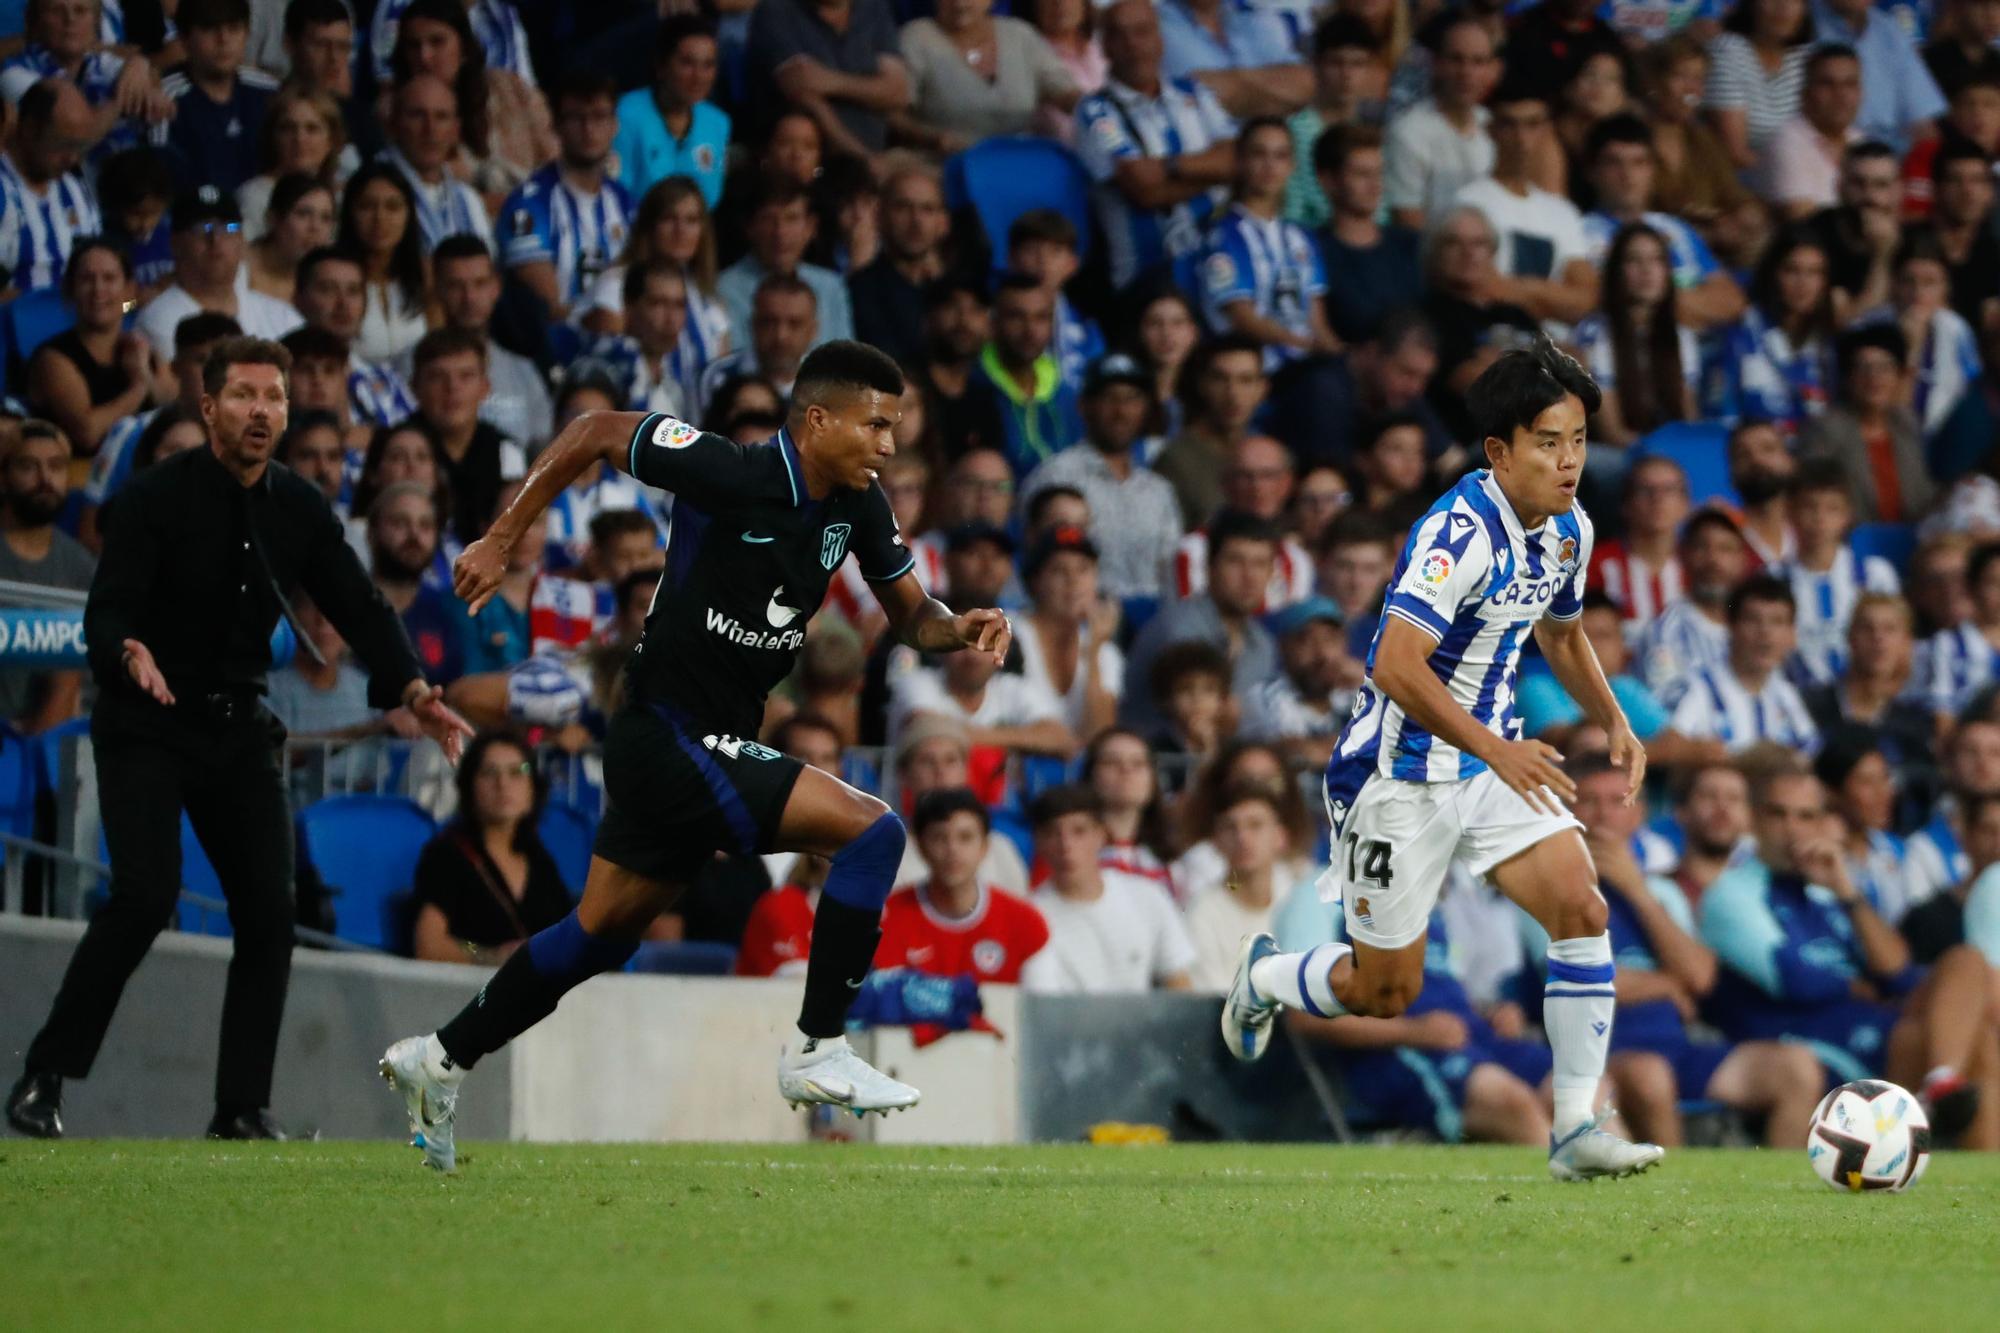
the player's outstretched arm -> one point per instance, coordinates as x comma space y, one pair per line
1403, 672
928, 625
1569, 654
591, 439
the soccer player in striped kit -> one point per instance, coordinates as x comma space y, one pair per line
1431, 770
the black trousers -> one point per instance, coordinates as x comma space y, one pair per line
224, 771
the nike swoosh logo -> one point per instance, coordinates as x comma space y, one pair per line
780, 616
757, 541
854, 985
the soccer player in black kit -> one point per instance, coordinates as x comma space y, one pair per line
757, 534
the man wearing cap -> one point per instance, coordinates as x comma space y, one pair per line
209, 275
933, 753
1241, 550
1302, 710
1134, 517
44, 204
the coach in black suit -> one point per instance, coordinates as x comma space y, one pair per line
199, 553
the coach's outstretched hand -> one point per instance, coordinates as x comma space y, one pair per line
986, 631
440, 723
1535, 769
477, 572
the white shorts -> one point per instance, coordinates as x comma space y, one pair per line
1400, 837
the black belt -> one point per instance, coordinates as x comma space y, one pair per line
223, 705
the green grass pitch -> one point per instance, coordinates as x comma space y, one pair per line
115, 1235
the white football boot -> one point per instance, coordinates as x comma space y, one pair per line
1588, 1151
826, 1070
1246, 1016
430, 1096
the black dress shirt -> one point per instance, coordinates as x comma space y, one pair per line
180, 574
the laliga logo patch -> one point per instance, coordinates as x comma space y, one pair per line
673, 434
1436, 568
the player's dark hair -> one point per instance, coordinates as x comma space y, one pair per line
843, 367
326, 254
303, 14
1978, 560
212, 13
460, 245
309, 343
1069, 799
1039, 503
466, 780
1177, 662
1523, 384
1704, 518
241, 351
1047, 225
781, 738
1622, 128
1764, 588
611, 524
199, 330
1231, 525
934, 807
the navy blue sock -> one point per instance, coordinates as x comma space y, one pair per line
527, 987
848, 924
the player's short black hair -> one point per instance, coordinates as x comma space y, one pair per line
461, 245
844, 366
1523, 384
934, 807
1231, 525
1071, 798
308, 343
1760, 588
242, 351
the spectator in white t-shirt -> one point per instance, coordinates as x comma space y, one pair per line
1249, 831
1109, 932
1003, 709
1544, 256
1441, 143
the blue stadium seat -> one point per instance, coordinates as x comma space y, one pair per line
686, 958
33, 318
365, 849
1013, 825
19, 782
1039, 772
1894, 542
568, 834
1702, 450
1003, 178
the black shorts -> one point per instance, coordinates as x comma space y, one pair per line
678, 794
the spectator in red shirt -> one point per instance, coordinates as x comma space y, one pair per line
1641, 572
953, 923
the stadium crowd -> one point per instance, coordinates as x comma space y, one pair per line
1181, 433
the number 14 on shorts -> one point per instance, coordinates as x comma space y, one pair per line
1368, 862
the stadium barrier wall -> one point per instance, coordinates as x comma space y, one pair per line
647, 1058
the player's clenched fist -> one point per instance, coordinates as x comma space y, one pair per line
1534, 769
477, 572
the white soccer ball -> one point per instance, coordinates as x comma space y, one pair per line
1869, 1135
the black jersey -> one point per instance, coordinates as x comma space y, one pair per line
749, 558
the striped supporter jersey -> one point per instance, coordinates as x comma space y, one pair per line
1472, 579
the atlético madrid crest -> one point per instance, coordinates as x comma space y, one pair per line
833, 544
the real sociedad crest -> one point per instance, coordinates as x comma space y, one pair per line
833, 544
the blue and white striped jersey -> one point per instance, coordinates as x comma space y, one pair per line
38, 229
1076, 344
671, 385
1120, 123
547, 221
1933, 858
1679, 642
377, 394
447, 208
1271, 263
1957, 664
1717, 705
494, 22
1472, 579
1825, 605
1690, 256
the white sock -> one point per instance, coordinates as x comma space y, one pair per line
1577, 1005
437, 1064
1302, 981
